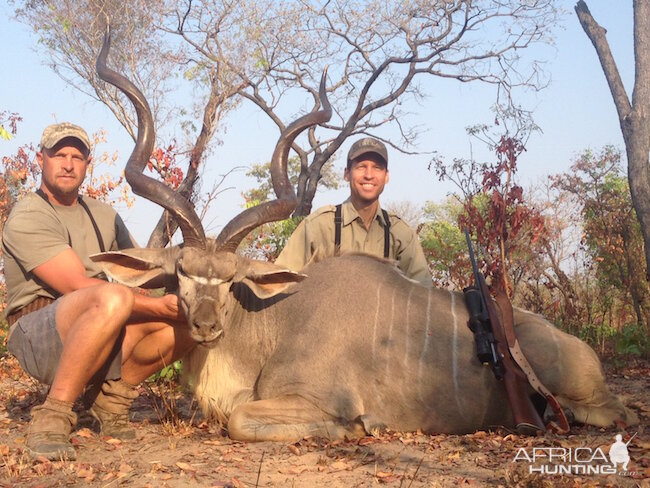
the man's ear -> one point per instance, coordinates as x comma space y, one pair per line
39, 159
387, 177
346, 174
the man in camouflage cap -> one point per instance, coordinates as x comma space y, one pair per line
359, 224
70, 328
57, 132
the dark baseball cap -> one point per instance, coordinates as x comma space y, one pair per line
365, 146
55, 133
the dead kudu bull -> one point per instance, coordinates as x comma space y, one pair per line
347, 347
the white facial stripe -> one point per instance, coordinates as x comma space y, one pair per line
201, 280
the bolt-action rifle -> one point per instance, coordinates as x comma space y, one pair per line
492, 349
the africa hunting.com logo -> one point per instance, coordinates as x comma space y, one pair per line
577, 460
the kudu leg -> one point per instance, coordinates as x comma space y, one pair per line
286, 419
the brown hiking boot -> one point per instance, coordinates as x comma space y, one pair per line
111, 409
49, 431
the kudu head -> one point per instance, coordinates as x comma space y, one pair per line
202, 270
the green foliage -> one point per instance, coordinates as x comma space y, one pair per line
169, 373
612, 235
444, 244
66, 24
264, 189
596, 334
267, 241
261, 62
633, 340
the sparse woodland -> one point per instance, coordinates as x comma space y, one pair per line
571, 246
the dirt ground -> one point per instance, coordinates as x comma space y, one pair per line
175, 447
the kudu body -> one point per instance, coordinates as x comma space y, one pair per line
345, 347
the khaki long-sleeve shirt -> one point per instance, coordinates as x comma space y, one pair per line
316, 234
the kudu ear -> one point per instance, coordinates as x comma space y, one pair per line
266, 280
144, 267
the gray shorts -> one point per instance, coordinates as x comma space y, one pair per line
36, 343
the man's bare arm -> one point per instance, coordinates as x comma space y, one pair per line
148, 308
65, 273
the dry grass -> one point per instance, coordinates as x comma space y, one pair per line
175, 417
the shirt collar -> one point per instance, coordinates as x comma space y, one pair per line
350, 214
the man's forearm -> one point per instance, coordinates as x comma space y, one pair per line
147, 308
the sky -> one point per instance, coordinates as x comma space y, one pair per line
575, 112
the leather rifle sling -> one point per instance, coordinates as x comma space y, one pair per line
562, 427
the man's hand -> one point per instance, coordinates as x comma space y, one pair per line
147, 308
172, 308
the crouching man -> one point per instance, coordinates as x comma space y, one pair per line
70, 328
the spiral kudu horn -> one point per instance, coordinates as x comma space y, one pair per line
145, 186
281, 208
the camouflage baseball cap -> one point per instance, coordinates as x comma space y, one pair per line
367, 145
55, 132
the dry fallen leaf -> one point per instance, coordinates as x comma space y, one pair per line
186, 467
44, 469
365, 441
293, 470
339, 466
294, 449
383, 474
85, 432
86, 473
385, 477
640, 444
108, 476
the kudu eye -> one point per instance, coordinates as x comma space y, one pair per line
180, 271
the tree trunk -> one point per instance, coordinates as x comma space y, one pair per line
634, 118
166, 226
639, 173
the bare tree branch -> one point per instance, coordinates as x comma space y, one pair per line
597, 36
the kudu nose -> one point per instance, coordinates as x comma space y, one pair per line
206, 328
204, 320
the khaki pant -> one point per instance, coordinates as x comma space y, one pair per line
36, 343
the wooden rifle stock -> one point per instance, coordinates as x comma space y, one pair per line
527, 420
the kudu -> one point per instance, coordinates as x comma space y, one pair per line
345, 347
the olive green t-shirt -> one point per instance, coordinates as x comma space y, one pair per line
315, 234
35, 232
